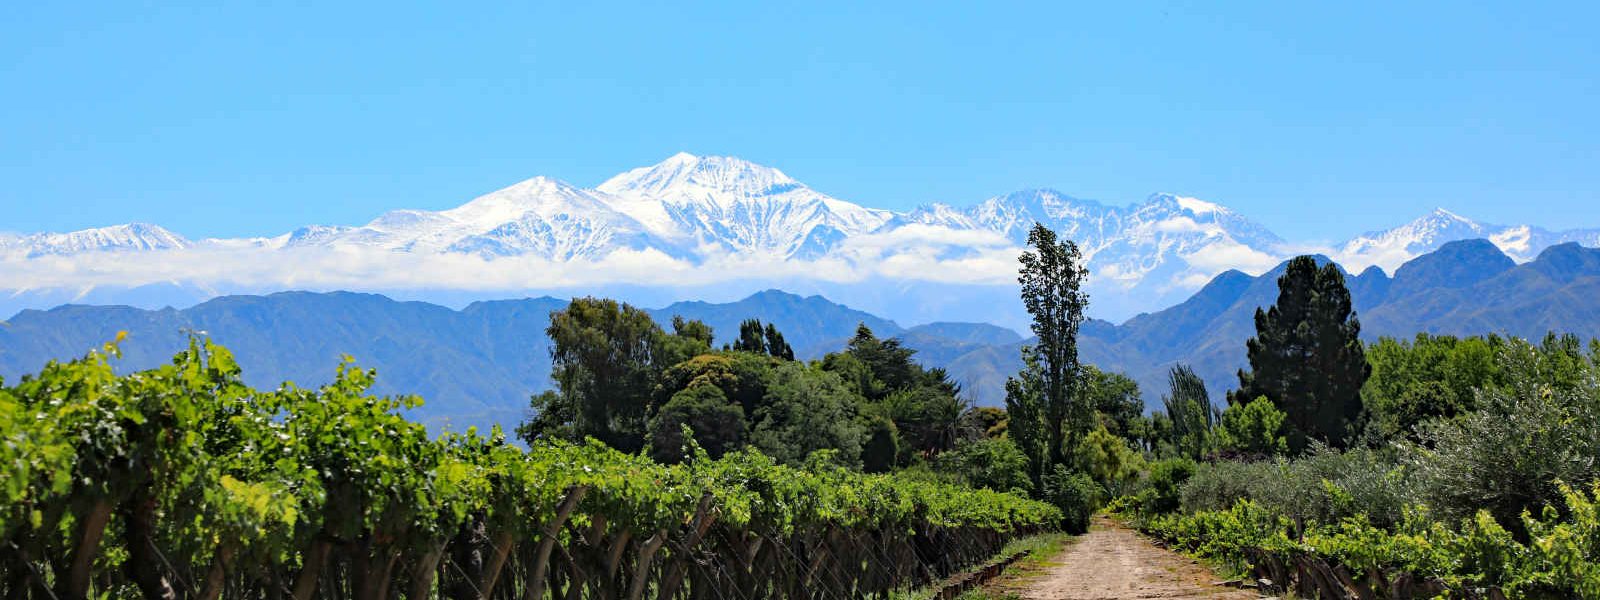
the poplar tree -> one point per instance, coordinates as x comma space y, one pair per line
1051, 278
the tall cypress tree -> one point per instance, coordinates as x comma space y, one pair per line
1307, 356
1052, 277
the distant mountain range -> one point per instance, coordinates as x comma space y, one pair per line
479, 364
703, 227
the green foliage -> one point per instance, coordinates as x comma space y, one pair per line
1307, 356
996, 464
1051, 278
1254, 430
1507, 456
1075, 494
806, 410
930, 420
1025, 419
1559, 558
717, 424
888, 362
1431, 377
1164, 484
757, 340
1190, 413
881, 451
604, 364
1108, 459
1322, 487
182, 482
1115, 398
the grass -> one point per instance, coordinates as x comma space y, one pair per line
1039, 551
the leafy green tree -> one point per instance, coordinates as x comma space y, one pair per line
605, 359
1162, 492
1307, 356
718, 424
1115, 399
1025, 418
889, 361
1110, 461
991, 420
1430, 377
1051, 278
751, 338
692, 329
740, 375
1506, 457
806, 410
930, 420
755, 339
1253, 430
991, 463
856, 374
881, 450
1189, 408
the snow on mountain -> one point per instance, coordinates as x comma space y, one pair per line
541, 216
696, 210
738, 206
131, 236
1173, 238
1390, 248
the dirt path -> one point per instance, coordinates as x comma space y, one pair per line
1112, 562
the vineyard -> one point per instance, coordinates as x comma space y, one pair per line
182, 482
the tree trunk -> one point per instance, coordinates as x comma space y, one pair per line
92, 526
426, 570
466, 553
501, 550
139, 536
541, 558
647, 555
305, 584
680, 565
216, 578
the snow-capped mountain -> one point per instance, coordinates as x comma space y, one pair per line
541, 216
737, 206
1169, 237
721, 223
131, 236
1390, 248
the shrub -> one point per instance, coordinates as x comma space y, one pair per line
1162, 487
1253, 430
996, 464
1075, 494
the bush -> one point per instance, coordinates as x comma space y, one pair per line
1508, 456
1165, 482
996, 464
1253, 430
1075, 494
1323, 487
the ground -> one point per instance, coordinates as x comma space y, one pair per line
1112, 562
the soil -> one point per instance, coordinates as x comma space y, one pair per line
1112, 562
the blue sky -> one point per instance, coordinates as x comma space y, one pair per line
1320, 119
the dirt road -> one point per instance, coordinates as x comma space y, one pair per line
1114, 563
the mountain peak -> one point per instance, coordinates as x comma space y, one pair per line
1193, 205
688, 174
1456, 264
127, 236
